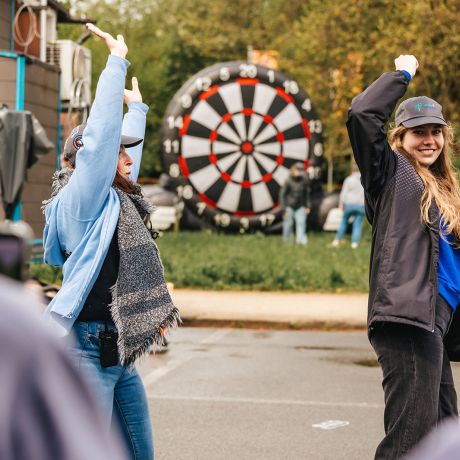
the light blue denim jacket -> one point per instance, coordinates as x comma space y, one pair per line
82, 218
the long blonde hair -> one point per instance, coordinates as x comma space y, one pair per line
439, 180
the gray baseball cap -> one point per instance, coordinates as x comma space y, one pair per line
74, 143
418, 111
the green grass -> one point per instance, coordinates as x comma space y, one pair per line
204, 260
259, 262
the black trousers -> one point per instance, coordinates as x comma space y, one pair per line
417, 381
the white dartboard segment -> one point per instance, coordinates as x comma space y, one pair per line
206, 115
231, 95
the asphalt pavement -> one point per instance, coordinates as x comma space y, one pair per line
242, 394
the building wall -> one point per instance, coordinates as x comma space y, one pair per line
8, 82
41, 98
5, 24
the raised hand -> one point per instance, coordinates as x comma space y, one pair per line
116, 46
133, 95
407, 62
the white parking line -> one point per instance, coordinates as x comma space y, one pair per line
215, 336
287, 402
160, 372
173, 364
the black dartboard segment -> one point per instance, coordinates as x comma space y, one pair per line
229, 137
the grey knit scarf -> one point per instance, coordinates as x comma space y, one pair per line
141, 307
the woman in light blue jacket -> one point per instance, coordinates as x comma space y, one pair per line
113, 297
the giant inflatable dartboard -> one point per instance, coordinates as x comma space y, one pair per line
229, 137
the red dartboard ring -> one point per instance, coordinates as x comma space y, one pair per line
229, 137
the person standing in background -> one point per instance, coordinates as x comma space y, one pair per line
295, 201
351, 202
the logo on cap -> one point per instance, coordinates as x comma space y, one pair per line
421, 106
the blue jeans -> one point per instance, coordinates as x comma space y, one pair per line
417, 381
298, 215
118, 388
356, 210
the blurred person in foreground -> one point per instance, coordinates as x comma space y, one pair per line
351, 202
113, 298
443, 443
295, 201
46, 409
413, 204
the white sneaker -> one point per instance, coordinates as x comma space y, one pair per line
354, 245
335, 243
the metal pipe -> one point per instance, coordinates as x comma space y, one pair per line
20, 81
58, 140
43, 7
20, 98
20, 93
12, 27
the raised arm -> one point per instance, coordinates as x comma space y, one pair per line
134, 124
367, 117
96, 161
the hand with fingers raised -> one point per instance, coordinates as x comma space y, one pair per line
133, 95
116, 46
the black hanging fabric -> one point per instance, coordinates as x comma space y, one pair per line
22, 141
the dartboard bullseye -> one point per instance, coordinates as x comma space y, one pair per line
229, 137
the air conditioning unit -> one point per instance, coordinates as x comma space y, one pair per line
75, 63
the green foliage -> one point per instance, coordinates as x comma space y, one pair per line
334, 48
46, 273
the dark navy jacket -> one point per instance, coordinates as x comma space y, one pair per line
403, 283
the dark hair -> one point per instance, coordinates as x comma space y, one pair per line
124, 184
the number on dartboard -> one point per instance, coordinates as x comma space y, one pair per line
200, 207
171, 146
224, 73
229, 137
318, 149
248, 71
174, 170
185, 191
223, 220
175, 122
306, 105
244, 223
202, 84
291, 87
315, 126
266, 219
186, 101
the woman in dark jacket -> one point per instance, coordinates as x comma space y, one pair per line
412, 202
